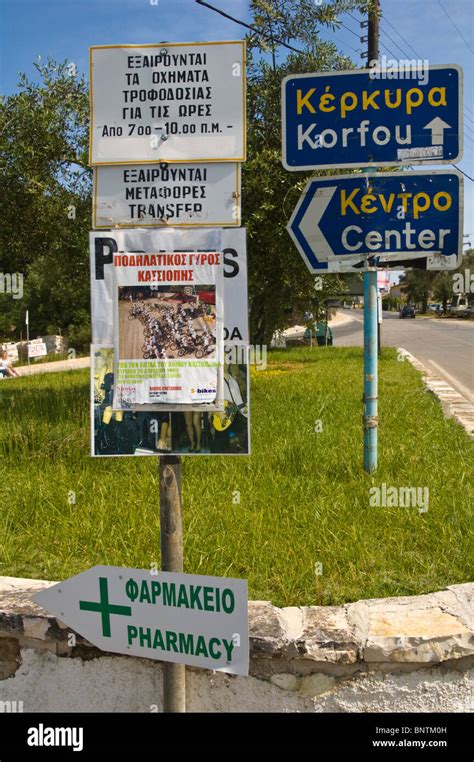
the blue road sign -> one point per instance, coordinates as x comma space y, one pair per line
391, 219
372, 117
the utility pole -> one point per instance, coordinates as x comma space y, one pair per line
171, 542
373, 32
370, 415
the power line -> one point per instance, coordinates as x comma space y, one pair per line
257, 31
301, 52
401, 35
395, 43
356, 34
269, 38
344, 44
386, 20
456, 28
463, 173
352, 31
384, 45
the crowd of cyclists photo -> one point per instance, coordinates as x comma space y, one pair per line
169, 329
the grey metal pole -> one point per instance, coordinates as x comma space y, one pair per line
28, 338
379, 324
370, 416
171, 542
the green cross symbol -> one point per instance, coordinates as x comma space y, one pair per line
105, 608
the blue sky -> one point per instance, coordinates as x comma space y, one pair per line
64, 29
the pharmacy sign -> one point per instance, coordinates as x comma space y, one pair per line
183, 618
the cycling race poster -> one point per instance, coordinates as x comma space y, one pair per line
168, 327
105, 245
195, 430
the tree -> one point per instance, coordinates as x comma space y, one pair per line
46, 183
278, 277
443, 287
421, 285
43, 147
418, 285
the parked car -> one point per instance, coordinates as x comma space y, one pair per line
462, 305
318, 331
407, 312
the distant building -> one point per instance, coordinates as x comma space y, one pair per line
397, 291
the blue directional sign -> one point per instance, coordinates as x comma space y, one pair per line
376, 117
392, 219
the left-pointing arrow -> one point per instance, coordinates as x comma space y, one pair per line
309, 223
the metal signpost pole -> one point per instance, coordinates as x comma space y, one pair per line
320, 224
171, 542
27, 321
370, 416
379, 323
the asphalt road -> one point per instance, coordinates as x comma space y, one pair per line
445, 346
53, 367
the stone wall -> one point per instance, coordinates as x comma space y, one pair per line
412, 654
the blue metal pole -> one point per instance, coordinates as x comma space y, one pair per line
370, 417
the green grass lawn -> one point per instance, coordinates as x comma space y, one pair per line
304, 497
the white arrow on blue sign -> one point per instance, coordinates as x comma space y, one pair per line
184, 618
392, 219
372, 117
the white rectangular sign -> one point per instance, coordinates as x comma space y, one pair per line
182, 618
37, 349
154, 195
12, 351
236, 324
173, 102
120, 434
103, 247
